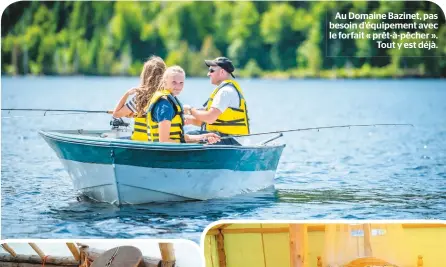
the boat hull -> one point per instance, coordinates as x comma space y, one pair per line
131, 172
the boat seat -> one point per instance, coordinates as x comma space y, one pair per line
123, 256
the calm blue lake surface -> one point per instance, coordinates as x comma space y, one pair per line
357, 173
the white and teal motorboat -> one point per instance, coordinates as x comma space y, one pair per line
121, 171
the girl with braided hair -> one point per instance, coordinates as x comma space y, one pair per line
136, 106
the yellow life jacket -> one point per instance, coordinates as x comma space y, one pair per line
233, 121
140, 129
176, 127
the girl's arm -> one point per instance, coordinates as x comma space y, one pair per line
210, 138
164, 132
164, 135
121, 110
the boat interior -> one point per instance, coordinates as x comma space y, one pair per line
125, 134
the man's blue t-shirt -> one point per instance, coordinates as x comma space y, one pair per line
163, 110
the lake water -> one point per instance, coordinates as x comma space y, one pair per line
357, 173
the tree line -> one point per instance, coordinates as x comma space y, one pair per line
263, 38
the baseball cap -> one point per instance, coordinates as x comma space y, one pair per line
223, 62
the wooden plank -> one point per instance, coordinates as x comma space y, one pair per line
310, 228
211, 250
16, 264
34, 259
367, 240
278, 230
293, 241
223, 226
221, 249
167, 255
9, 249
316, 228
256, 231
83, 255
304, 235
298, 245
263, 248
37, 250
74, 250
424, 225
213, 232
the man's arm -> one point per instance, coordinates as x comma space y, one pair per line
208, 116
189, 119
222, 100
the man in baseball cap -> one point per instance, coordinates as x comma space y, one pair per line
225, 112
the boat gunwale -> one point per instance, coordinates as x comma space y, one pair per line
59, 135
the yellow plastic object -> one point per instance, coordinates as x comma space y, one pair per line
268, 245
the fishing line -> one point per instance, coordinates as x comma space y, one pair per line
320, 128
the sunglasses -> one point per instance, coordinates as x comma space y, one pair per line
211, 70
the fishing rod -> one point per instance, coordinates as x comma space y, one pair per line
58, 110
46, 115
70, 111
320, 128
